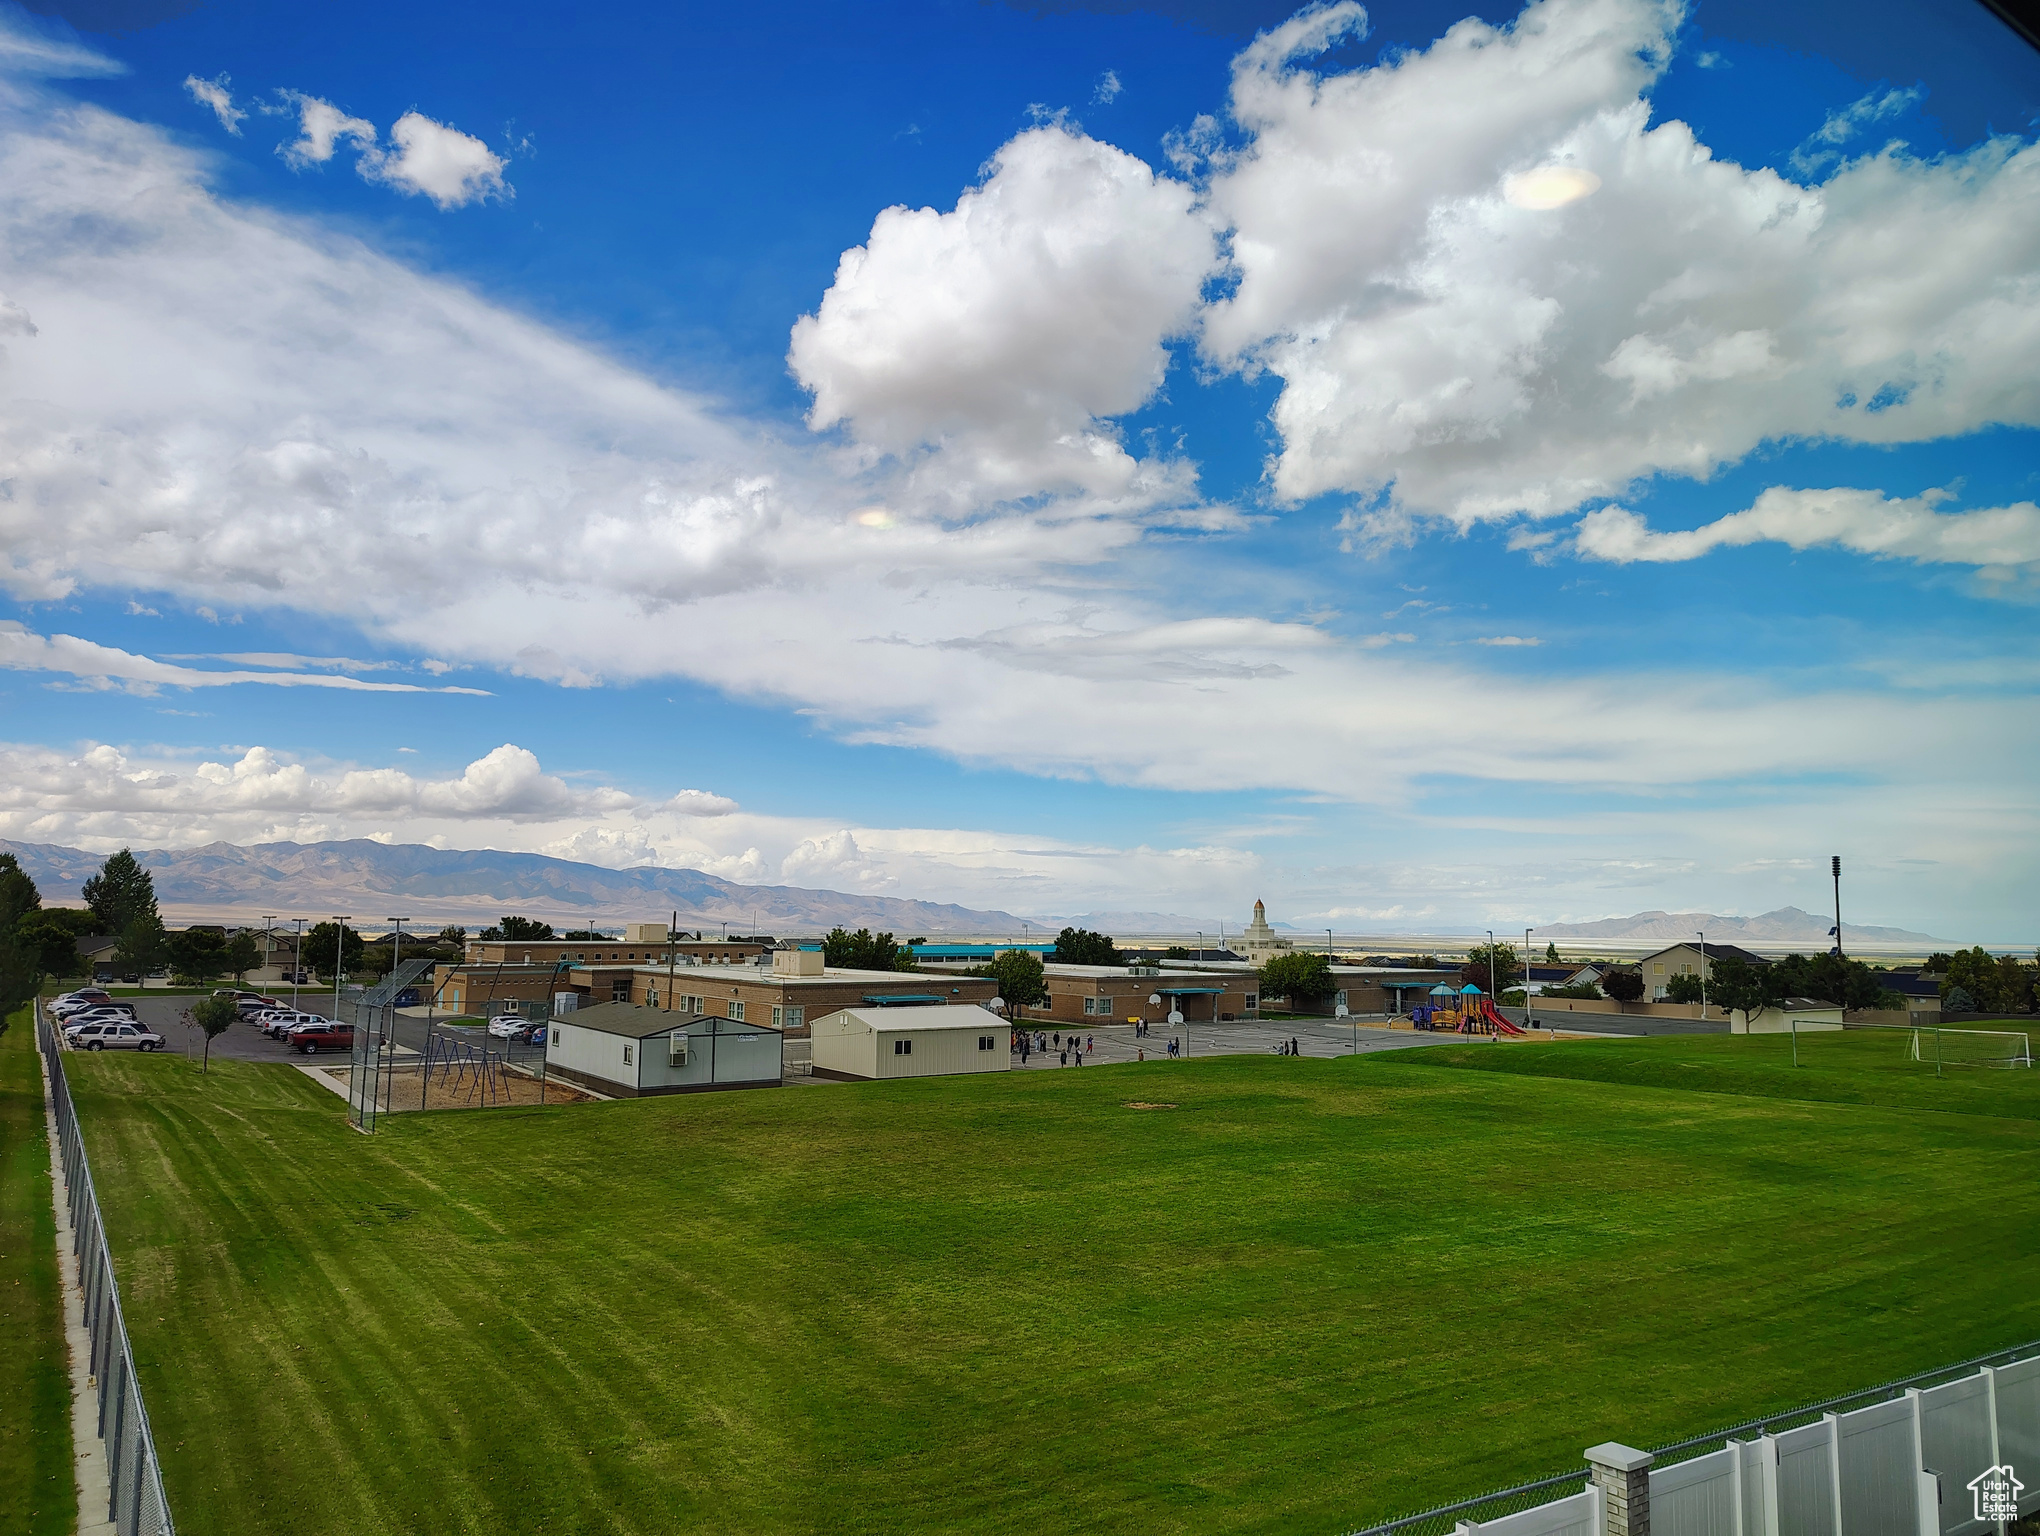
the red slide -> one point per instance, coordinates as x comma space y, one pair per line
1497, 1018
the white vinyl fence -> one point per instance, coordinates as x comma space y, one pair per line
1910, 1465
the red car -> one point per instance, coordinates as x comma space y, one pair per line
312, 1038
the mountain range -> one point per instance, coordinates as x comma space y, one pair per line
432, 886
1787, 925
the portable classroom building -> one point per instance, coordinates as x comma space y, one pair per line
633, 1052
856, 1044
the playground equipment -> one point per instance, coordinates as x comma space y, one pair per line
459, 1065
1468, 1011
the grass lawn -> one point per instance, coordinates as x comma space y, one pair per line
37, 1490
1308, 1295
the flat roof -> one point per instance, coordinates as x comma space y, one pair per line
940, 1016
634, 1022
1117, 972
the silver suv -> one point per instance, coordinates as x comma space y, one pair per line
116, 1036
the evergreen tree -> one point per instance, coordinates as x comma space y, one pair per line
18, 895
120, 893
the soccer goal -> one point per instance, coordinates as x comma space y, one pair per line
1970, 1047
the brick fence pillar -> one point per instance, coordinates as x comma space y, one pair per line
1623, 1476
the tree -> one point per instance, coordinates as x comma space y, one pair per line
121, 892
1623, 986
1937, 964
1687, 987
20, 974
1830, 978
141, 944
1506, 966
1302, 976
1995, 983
18, 895
864, 951
1740, 987
514, 929
1955, 1000
51, 941
453, 936
213, 1015
1551, 955
1175, 952
320, 940
1023, 982
243, 954
1579, 989
1080, 946
196, 954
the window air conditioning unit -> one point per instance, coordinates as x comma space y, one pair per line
676, 1050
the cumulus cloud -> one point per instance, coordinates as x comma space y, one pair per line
213, 93
322, 127
1868, 522
104, 666
1636, 307
1844, 124
104, 791
437, 161
1108, 88
1002, 336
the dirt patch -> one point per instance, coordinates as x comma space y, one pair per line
448, 1091
1143, 1104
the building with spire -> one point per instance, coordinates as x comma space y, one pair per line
1260, 941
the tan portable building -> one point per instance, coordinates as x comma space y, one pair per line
858, 1044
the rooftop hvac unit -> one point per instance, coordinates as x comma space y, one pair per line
676, 1050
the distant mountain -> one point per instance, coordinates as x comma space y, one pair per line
433, 886
1137, 924
1787, 925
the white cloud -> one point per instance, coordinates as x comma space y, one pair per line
1846, 123
448, 166
1507, 640
22, 650
1868, 522
104, 793
321, 128
1466, 356
14, 320
700, 802
1108, 88
35, 46
1004, 335
213, 93
834, 862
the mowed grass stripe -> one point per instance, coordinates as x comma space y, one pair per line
1313, 1294
38, 1487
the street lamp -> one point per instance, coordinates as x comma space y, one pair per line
1526, 976
339, 957
1703, 975
297, 959
1838, 905
268, 919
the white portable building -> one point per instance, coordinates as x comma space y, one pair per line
944, 1040
628, 1051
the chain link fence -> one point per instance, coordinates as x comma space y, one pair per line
1483, 1508
135, 1506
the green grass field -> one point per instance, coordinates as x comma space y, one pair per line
1309, 1295
37, 1491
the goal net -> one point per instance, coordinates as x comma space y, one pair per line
1971, 1047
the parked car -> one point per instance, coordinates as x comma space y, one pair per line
285, 1023
254, 1004
324, 1035
98, 1016
131, 979
121, 1036
78, 1002
274, 1021
504, 1025
531, 1034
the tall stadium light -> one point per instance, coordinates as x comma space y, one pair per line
1703, 974
268, 922
1838, 905
1491, 965
297, 960
1527, 1020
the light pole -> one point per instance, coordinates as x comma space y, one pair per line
297, 959
339, 957
396, 959
1838, 906
1526, 976
1703, 975
268, 921
1491, 964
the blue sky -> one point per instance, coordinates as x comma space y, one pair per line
1420, 471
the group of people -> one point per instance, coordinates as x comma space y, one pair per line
1044, 1041
1289, 1047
